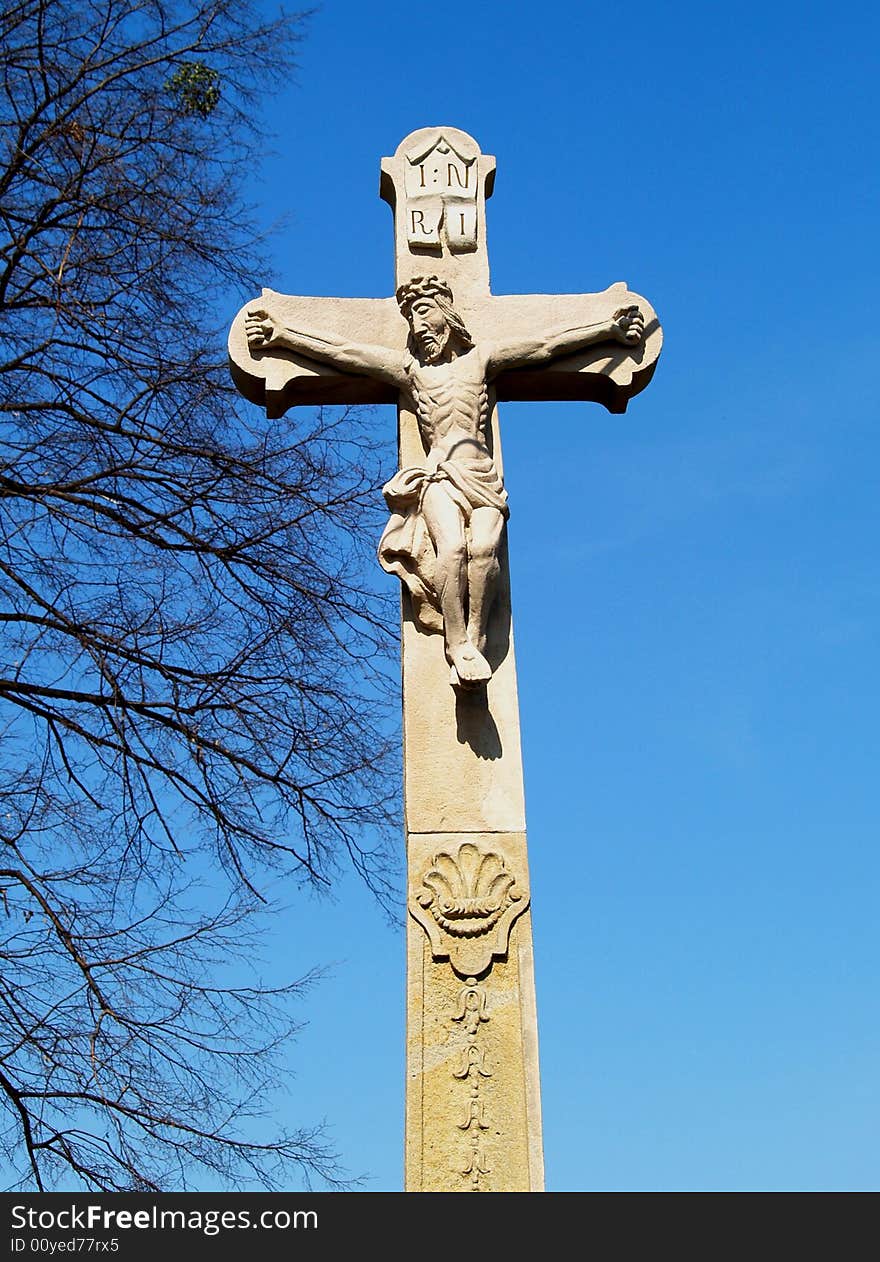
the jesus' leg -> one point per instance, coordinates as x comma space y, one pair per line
487, 527
445, 525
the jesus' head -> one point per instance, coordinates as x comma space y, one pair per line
437, 331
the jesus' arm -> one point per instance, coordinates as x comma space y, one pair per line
627, 326
265, 333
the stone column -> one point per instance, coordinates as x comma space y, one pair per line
473, 1107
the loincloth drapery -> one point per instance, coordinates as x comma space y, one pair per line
405, 548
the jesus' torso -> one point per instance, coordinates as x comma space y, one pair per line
451, 403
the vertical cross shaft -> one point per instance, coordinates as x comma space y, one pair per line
473, 1112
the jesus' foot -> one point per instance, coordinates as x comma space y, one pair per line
469, 665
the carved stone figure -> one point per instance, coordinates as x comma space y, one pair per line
448, 515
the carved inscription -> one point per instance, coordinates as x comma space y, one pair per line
441, 194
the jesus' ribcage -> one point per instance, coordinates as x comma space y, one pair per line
450, 404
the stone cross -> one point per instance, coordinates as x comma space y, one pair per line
445, 349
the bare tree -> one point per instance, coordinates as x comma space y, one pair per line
193, 661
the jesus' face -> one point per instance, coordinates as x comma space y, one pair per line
430, 329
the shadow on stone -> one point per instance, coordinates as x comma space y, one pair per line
498, 637
475, 725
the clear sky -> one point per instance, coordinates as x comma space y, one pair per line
695, 584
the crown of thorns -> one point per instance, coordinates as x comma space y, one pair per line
422, 287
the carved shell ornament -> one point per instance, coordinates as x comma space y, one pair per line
467, 904
467, 896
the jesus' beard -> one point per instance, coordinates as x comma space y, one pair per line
432, 348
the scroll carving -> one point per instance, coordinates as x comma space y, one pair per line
472, 1013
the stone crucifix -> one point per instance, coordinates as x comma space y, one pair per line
445, 349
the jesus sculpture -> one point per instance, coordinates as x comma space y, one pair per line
447, 515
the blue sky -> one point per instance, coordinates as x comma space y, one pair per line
695, 584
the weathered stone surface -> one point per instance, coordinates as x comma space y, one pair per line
473, 1100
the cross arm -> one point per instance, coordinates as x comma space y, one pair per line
329, 350
563, 346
